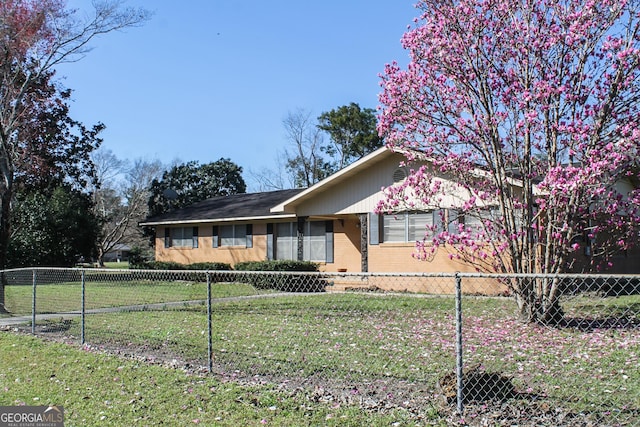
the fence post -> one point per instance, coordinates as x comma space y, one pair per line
82, 308
209, 324
33, 303
459, 364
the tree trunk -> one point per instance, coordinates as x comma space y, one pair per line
100, 260
5, 206
551, 312
6, 191
538, 301
525, 297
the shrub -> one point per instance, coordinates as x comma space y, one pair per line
165, 265
138, 258
277, 265
168, 265
209, 266
280, 282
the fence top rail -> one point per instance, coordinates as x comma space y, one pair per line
460, 275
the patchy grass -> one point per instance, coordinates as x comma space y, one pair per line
96, 389
392, 347
348, 336
621, 308
592, 371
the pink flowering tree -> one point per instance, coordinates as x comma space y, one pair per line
531, 109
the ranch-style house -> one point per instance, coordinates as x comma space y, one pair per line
332, 223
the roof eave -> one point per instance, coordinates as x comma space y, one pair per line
285, 206
213, 220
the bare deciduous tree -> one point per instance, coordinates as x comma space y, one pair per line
120, 199
304, 157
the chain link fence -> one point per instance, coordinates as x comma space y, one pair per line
427, 343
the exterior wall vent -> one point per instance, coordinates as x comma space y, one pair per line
399, 174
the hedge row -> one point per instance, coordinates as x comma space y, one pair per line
280, 265
286, 283
165, 265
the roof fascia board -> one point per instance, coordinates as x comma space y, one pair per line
327, 181
204, 221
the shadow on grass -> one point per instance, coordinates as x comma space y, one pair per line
585, 324
479, 385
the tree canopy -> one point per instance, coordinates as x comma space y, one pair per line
52, 227
304, 159
52, 148
191, 182
120, 199
36, 36
352, 133
311, 156
531, 108
53, 223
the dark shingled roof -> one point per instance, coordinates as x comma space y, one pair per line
246, 205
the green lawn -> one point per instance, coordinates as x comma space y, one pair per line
99, 390
122, 265
303, 336
371, 342
64, 297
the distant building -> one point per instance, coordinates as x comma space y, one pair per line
119, 253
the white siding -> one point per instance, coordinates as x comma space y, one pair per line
357, 194
361, 191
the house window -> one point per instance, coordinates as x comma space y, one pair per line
314, 241
419, 225
182, 237
454, 219
286, 241
233, 235
474, 222
409, 226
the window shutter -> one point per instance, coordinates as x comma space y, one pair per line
374, 228
438, 223
270, 249
194, 238
329, 240
249, 235
452, 220
214, 236
167, 237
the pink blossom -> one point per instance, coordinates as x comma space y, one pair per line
524, 115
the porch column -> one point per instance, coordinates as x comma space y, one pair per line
301, 221
364, 242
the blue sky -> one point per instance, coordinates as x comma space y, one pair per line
209, 79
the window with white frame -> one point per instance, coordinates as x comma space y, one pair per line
233, 235
475, 221
286, 241
409, 226
314, 241
314, 245
485, 223
181, 237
